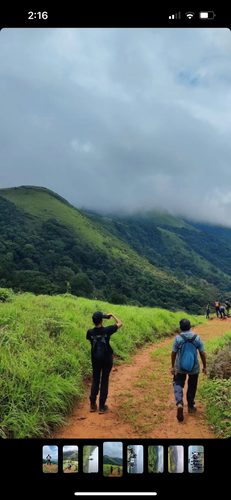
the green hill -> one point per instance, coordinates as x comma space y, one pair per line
70, 455
112, 460
48, 246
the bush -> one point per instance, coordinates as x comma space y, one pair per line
6, 295
220, 366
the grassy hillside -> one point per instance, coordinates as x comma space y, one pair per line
45, 357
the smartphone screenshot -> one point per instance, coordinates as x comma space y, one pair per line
115, 245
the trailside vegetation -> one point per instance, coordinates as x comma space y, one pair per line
152, 459
45, 357
215, 390
172, 459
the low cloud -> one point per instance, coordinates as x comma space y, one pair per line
120, 119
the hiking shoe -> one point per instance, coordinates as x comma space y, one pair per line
103, 409
192, 409
93, 407
179, 414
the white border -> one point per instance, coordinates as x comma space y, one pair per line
114, 494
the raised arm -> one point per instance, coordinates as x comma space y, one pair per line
118, 322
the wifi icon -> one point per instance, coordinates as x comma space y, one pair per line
190, 15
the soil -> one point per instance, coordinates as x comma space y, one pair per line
69, 470
50, 468
114, 473
141, 400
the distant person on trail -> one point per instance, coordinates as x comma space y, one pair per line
118, 471
228, 305
184, 361
207, 311
217, 305
101, 358
222, 311
111, 469
48, 459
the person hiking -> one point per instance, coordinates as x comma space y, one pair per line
222, 311
180, 366
118, 471
217, 305
111, 469
207, 311
101, 358
48, 459
227, 305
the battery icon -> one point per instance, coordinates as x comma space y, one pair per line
207, 15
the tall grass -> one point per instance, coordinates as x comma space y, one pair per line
45, 357
216, 392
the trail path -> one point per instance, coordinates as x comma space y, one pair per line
114, 473
141, 400
69, 470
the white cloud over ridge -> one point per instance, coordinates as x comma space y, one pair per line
120, 118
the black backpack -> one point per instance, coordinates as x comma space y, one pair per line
99, 346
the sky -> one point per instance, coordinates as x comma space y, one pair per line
50, 450
119, 119
180, 459
70, 448
113, 449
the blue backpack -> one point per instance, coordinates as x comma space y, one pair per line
188, 353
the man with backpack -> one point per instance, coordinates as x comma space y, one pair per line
184, 361
222, 311
101, 358
217, 305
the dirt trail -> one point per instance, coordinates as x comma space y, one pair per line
69, 470
141, 400
114, 473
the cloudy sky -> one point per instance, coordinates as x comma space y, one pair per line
50, 450
113, 449
119, 118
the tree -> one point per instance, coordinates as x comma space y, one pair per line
81, 285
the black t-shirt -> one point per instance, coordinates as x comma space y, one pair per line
109, 330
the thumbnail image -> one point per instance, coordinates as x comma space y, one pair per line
175, 459
135, 459
196, 459
70, 458
50, 459
113, 459
90, 458
155, 459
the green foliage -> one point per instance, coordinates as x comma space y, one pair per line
216, 394
153, 260
6, 295
171, 459
152, 459
215, 390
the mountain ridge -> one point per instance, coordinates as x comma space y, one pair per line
45, 243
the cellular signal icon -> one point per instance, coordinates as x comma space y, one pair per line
175, 16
